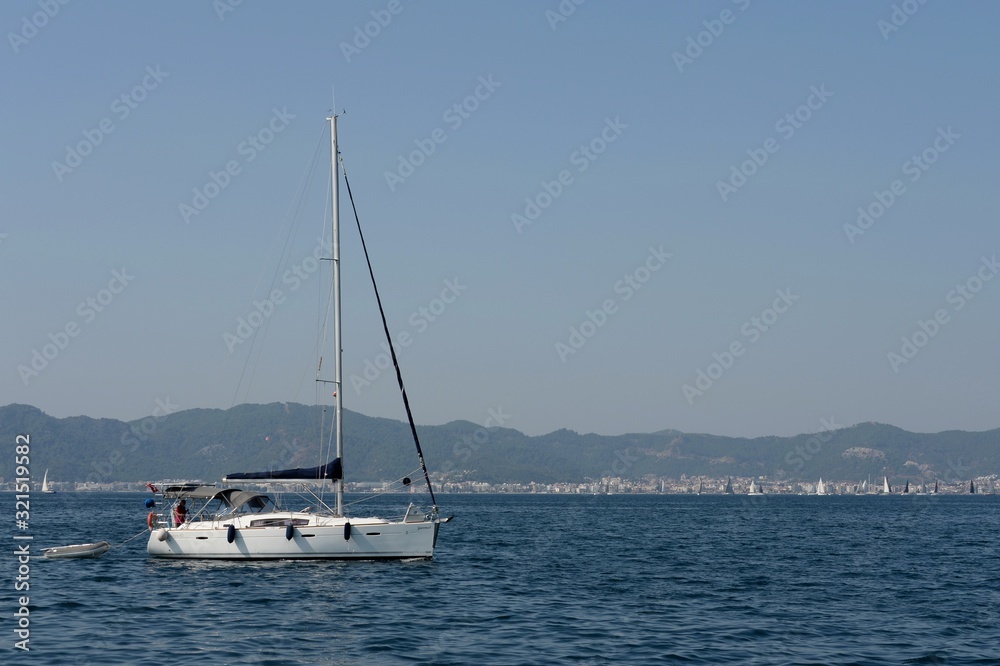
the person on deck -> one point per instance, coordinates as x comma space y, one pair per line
180, 513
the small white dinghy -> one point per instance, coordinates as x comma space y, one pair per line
78, 550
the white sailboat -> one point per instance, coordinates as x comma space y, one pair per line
821, 487
886, 488
755, 489
236, 524
46, 488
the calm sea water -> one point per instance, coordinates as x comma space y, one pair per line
542, 580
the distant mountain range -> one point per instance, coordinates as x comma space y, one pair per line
208, 443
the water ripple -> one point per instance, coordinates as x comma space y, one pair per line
548, 580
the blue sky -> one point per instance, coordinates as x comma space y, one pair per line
695, 260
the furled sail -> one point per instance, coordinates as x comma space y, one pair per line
330, 471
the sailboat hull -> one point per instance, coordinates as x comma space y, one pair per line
370, 539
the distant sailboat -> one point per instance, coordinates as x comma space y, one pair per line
701, 487
886, 488
46, 488
755, 489
729, 486
935, 487
972, 487
906, 488
821, 487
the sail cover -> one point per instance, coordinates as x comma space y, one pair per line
330, 471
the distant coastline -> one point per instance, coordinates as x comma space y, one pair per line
464, 456
985, 486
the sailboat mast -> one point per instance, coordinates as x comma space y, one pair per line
338, 353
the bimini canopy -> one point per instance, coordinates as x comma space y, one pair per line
328, 472
232, 498
191, 491
236, 498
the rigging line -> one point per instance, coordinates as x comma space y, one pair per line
326, 444
324, 319
317, 351
296, 204
330, 453
376, 495
285, 256
379, 493
388, 338
145, 531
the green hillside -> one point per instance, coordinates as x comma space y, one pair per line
208, 443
